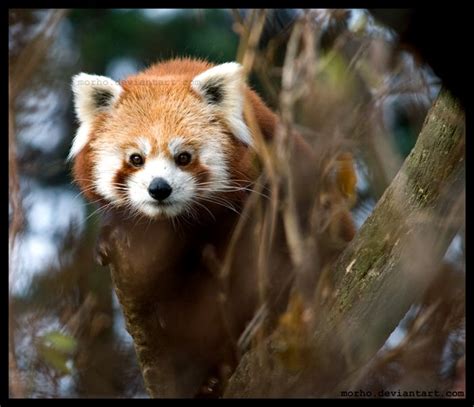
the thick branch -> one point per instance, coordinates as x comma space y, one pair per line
379, 276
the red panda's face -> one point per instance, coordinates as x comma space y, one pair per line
162, 146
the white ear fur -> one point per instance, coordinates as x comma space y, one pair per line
92, 94
222, 87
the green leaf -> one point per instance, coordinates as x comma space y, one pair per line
60, 342
54, 358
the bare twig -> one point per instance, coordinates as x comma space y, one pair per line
389, 273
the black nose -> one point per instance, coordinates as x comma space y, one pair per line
159, 189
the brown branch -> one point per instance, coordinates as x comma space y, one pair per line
13, 180
16, 223
250, 35
20, 72
29, 58
385, 270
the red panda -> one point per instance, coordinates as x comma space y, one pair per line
165, 139
171, 144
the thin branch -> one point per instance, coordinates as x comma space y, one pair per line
384, 270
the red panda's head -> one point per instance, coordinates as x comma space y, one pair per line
165, 142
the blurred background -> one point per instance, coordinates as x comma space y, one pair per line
66, 333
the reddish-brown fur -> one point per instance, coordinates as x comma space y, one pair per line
162, 276
160, 100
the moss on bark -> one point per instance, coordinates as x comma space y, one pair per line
384, 270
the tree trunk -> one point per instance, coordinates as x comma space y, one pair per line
384, 271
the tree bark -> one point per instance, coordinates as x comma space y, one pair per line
384, 271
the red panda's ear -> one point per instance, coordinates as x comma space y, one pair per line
222, 88
93, 94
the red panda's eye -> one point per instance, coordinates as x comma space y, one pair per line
136, 160
183, 158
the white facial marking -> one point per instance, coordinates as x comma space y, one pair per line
186, 189
80, 140
109, 163
175, 146
212, 156
181, 182
144, 145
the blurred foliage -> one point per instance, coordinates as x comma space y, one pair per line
55, 348
65, 322
203, 34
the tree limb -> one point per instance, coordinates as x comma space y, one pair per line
385, 270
